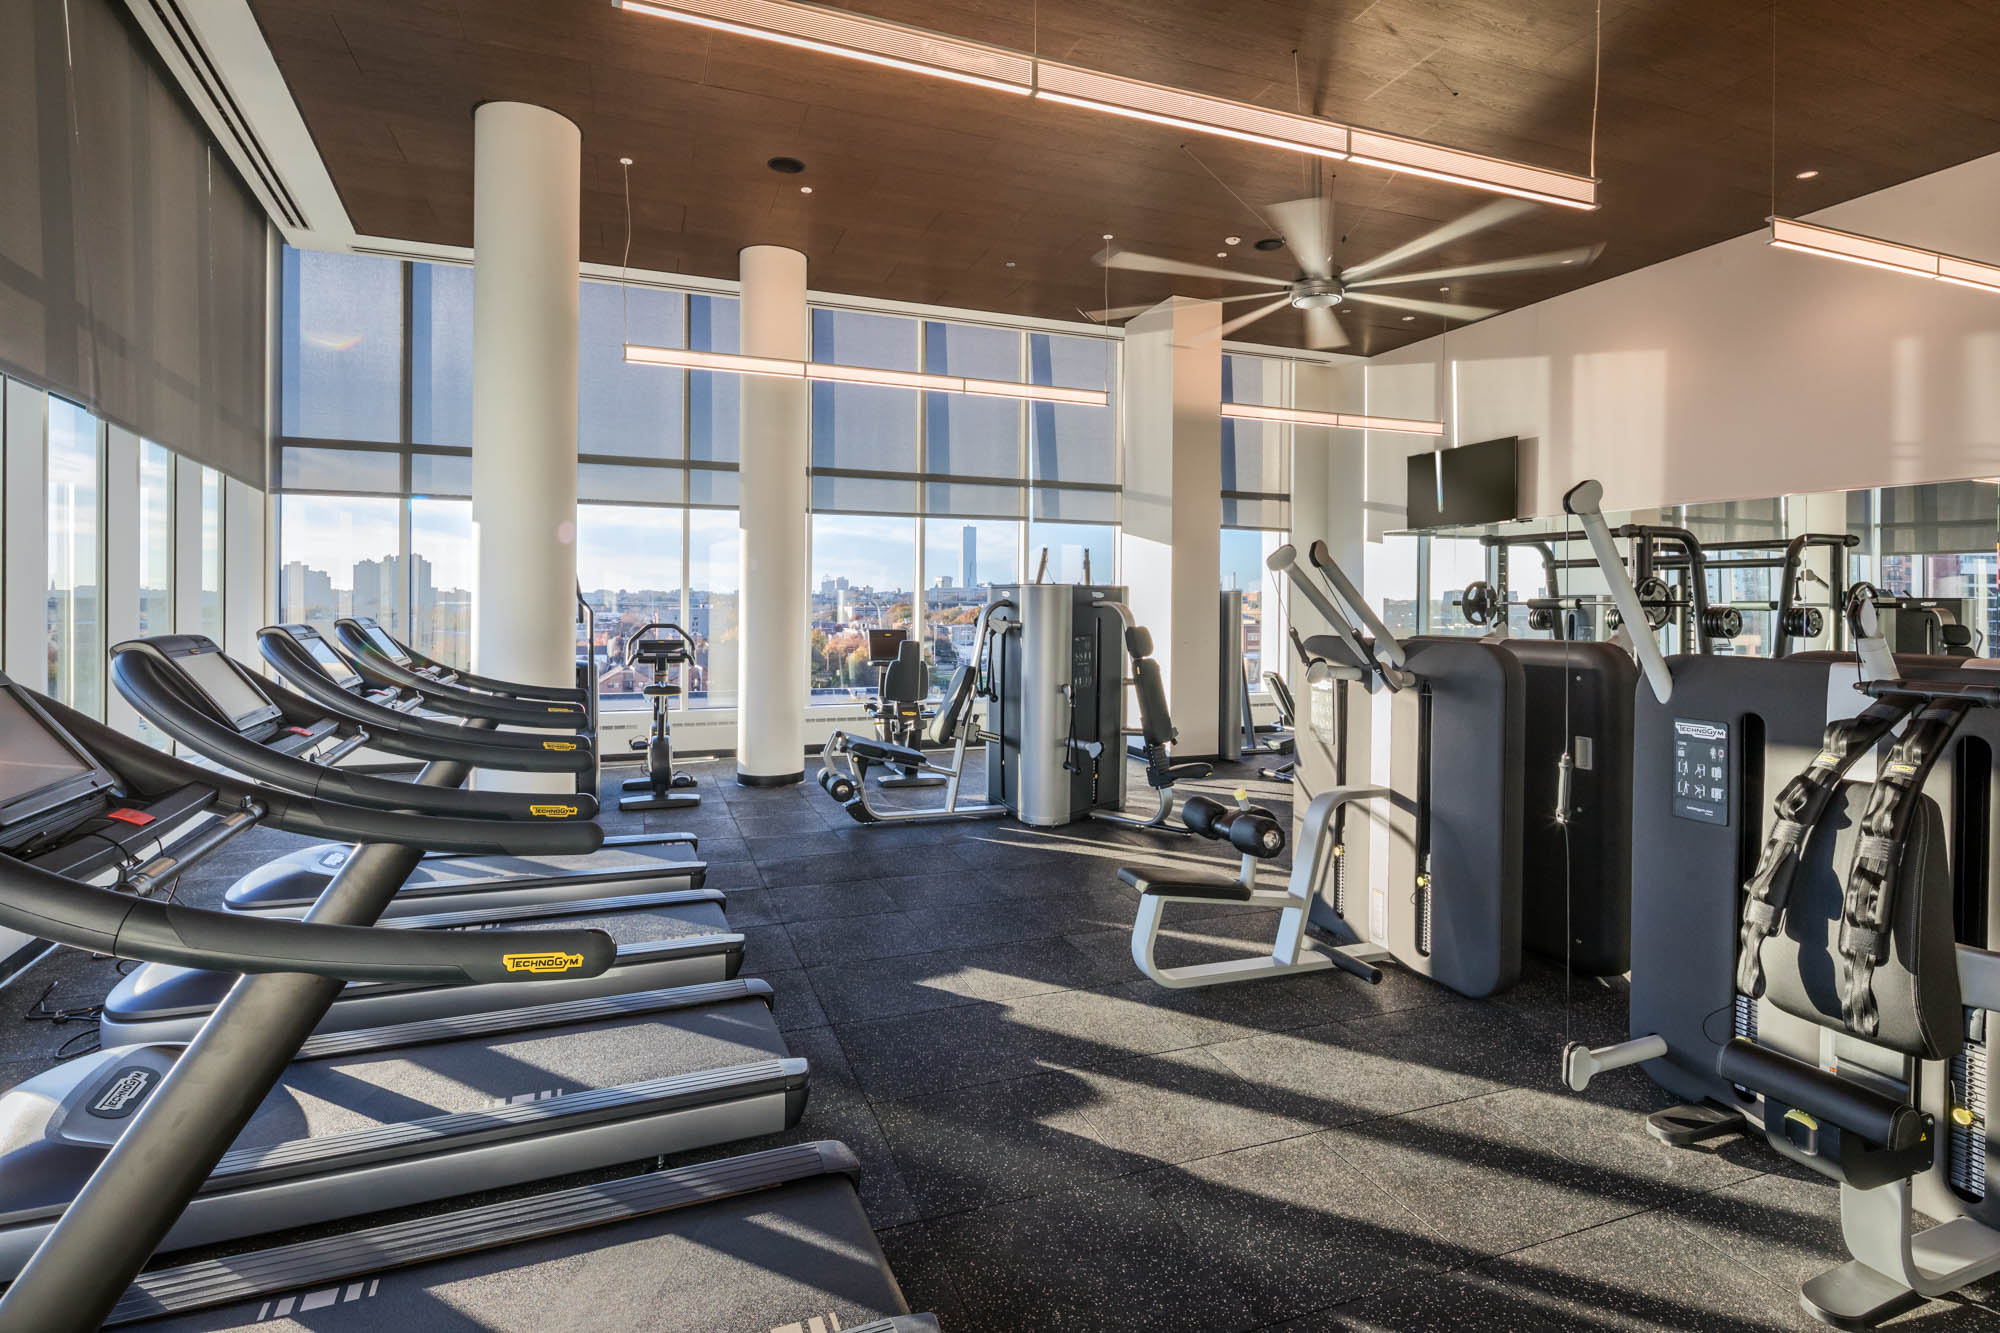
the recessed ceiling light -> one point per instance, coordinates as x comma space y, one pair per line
1806, 175
1232, 240
624, 161
1107, 235
1010, 263
805, 189
1222, 254
1408, 318
1444, 289
1270, 243
786, 166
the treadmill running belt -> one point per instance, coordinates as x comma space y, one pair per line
705, 1249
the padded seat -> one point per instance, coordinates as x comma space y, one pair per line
882, 752
659, 690
1171, 884
1189, 772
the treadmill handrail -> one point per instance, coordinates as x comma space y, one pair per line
512, 689
135, 761
137, 671
47, 906
419, 737
1585, 503
367, 659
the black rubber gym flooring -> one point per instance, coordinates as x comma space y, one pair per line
1052, 1142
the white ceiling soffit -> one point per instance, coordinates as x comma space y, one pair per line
218, 54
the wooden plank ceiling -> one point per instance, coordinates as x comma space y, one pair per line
925, 190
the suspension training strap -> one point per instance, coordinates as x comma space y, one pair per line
1796, 812
1869, 902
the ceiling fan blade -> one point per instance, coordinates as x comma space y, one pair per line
1323, 331
1302, 222
1478, 220
1579, 257
1138, 263
1127, 311
1230, 326
1443, 309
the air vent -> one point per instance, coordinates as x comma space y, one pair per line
214, 92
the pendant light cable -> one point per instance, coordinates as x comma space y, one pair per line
1597, 86
625, 261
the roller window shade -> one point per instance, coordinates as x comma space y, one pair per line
132, 260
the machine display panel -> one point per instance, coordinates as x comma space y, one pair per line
32, 758
382, 641
232, 696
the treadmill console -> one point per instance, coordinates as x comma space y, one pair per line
380, 638
42, 768
316, 647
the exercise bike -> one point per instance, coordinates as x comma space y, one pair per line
668, 652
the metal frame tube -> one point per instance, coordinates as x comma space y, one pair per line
130, 1203
1584, 502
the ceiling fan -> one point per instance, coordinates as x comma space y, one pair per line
1322, 287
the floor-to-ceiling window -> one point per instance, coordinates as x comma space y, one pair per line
75, 558
342, 557
375, 462
211, 554
1256, 508
156, 540
440, 579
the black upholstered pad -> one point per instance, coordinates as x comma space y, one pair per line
1916, 989
881, 752
1185, 886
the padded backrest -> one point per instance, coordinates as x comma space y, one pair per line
956, 710
1156, 725
1916, 989
904, 682
1287, 712
1957, 639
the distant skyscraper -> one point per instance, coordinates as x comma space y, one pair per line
968, 561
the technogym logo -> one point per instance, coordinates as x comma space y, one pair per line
1700, 731
541, 962
121, 1095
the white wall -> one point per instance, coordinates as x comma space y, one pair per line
1734, 372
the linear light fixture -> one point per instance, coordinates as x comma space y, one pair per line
1395, 153
1137, 100
785, 368
837, 33
1894, 257
1300, 416
897, 46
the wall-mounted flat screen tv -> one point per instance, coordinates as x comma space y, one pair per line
1471, 485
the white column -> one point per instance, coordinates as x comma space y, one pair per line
525, 187
1172, 533
772, 677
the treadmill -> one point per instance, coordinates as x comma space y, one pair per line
665, 939
627, 864
91, 823
340, 1123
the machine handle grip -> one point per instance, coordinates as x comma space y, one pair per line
552, 835
81, 916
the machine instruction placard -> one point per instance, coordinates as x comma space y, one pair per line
1701, 770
